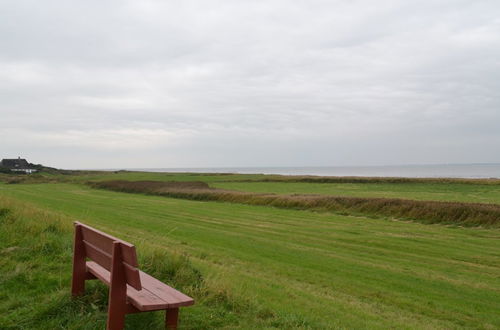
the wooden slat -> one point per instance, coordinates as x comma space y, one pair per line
142, 300
132, 276
98, 271
154, 295
96, 254
104, 242
104, 260
128, 254
95, 238
98, 247
170, 295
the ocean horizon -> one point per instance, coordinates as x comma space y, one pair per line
477, 171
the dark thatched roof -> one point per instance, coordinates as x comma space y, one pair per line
15, 163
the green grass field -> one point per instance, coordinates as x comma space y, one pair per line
456, 190
484, 191
419, 191
254, 266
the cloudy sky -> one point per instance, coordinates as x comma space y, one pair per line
123, 84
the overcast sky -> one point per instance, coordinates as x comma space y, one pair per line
123, 84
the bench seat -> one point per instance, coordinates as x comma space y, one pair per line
97, 255
154, 295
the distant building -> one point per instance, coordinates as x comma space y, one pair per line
18, 165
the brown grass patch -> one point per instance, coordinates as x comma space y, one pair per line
150, 186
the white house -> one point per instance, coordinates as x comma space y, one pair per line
18, 165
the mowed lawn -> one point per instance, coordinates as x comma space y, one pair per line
438, 191
456, 192
325, 270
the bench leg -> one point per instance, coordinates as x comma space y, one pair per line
79, 267
171, 318
117, 303
116, 316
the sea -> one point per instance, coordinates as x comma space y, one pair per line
410, 171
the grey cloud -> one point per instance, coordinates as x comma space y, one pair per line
238, 83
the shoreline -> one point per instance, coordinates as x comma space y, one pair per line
452, 171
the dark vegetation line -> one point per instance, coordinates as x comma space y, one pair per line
457, 213
360, 179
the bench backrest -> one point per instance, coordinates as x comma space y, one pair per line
98, 247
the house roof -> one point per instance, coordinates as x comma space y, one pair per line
15, 163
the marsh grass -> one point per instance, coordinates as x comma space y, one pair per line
362, 179
452, 213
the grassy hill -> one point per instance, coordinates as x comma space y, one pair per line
250, 266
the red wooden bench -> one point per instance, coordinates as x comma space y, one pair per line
114, 262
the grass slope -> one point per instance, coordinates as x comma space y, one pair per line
35, 263
455, 213
291, 269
